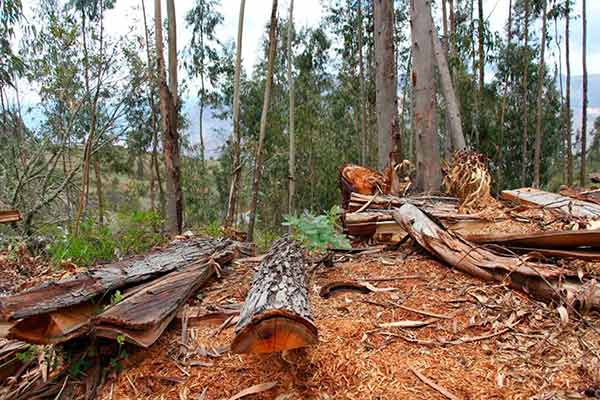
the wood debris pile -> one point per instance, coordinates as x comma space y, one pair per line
468, 178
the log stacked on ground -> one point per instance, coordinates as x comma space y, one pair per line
9, 216
276, 314
155, 287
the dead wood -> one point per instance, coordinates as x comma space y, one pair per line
543, 281
276, 313
102, 279
9, 216
355, 178
552, 201
566, 239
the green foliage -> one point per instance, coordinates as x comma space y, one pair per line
116, 298
133, 233
318, 232
78, 367
27, 355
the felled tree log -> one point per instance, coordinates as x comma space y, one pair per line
546, 240
552, 201
102, 279
543, 281
9, 216
355, 178
276, 314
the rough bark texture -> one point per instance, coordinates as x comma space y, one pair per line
385, 81
428, 167
584, 131
569, 149
263, 120
499, 175
168, 113
290, 76
539, 112
98, 280
524, 155
276, 314
545, 240
452, 111
543, 281
237, 166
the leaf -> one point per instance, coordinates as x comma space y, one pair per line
261, 387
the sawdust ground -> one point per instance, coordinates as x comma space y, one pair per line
356, 359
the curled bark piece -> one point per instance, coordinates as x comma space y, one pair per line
543, 281
276, 314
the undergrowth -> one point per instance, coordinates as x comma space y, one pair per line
131, 233
318, 232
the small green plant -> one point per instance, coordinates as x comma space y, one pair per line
116, 298
79, 366
318, 232
27, 355
115, 362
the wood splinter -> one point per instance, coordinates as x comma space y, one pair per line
276, 314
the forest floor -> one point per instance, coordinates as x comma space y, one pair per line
493, 342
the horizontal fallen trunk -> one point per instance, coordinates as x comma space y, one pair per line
552, 201
543, 281
545, 240
105, 278
439, 204
276, 314
585, 255
9, 216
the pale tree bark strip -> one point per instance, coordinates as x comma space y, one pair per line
263, 120
276, 314
237, 137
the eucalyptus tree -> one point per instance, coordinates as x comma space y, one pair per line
582, 177
204, 19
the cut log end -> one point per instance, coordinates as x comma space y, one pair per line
275, 331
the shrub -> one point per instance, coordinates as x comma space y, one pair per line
318, 232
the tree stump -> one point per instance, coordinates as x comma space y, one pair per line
276, 314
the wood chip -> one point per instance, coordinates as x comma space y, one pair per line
261, 387
433, 385
407, 323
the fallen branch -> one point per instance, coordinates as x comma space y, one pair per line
432, 384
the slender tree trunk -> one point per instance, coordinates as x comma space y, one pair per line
525, 97
444, 25
168, 118
386, 99
423, 89
569, 149
582, 178
539, 111
500, 158
263, 120
202, 149
99, 191
454, 120
237, 167
481, 43
292, 157
363, 89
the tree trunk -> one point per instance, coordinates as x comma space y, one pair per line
480, 42
385, 88
452, 111
426, 143
569, 149
99, 280
584, 132
542, 281
292, 156
168, 111
363, 90
499, 176
237, 167
444, 25
263, 120
538, 124
524, 157
99, 190
276, 313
